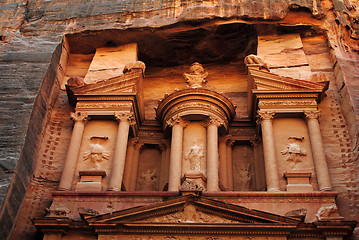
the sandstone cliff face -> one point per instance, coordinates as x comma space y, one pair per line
30, 34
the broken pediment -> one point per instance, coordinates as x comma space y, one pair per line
263, 80
269, 91
121, 93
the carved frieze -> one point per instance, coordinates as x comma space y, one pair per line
280, 104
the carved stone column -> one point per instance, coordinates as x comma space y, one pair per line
129, 163
118, 163
178, 124
73, 151
212, 154
223, 161
164, 164
134, 168
270, 158
320, 161
229, 165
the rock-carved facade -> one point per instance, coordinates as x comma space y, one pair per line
198, 174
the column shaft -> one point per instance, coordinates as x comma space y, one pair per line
321, 166
229, 166
269, 153
118, 163
72, 152
134, 169
223, 162
212, 158
176, 158
128, 164
164, 164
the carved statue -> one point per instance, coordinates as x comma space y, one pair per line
326, 212
76, 81
148, 180
294, 152
97, 155
245, 177
195, 157
134, 64
254, 59
196, 77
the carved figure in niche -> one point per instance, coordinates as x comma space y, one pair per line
245, 177
294, 152
195, 158
148, 180
96, 155
196, 77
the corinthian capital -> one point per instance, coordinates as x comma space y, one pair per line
128, 117
177, 120
266, 115
213, 121
79, 117
224, 138
315, 114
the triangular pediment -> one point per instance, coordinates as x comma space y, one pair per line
190, 210
126, 83
265, 80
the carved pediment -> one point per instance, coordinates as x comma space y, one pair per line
122, 93
127, 83
264, 80
191, 211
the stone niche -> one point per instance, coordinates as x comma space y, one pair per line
244, 176
293, 149
149, 169
194, 149
96, 151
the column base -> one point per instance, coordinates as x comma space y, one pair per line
90, 180
298, 181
